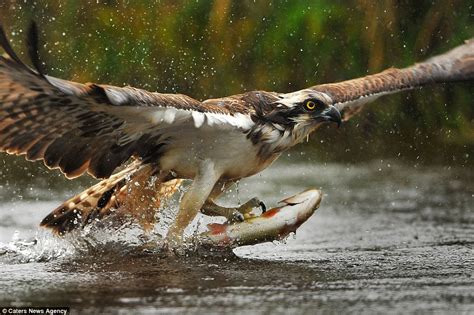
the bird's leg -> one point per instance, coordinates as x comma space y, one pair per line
192, 202
233, 214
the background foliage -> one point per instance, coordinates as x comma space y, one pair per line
216, 48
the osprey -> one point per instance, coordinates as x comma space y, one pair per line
142, 144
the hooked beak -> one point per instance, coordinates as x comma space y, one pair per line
331, 114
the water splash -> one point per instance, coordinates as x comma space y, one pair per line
40, 248
112, 235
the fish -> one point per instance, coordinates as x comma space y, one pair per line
272, 225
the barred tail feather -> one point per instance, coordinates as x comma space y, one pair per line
135, 192
93, 203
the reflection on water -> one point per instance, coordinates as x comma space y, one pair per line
387, 237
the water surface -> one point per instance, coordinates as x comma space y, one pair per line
387, 238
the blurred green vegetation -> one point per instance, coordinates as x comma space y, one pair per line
216, 48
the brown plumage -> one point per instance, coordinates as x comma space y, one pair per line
95, 128
64, 123
136, 191
454, 65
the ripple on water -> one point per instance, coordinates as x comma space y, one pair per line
383, 240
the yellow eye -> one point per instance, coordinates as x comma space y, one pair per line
310, 105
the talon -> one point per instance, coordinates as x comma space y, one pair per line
237, 217
262, 206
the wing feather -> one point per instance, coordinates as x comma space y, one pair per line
350, 96
89, 127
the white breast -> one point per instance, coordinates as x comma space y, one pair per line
234, 155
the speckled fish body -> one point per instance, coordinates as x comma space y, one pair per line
274, 224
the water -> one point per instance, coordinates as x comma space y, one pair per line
388, 238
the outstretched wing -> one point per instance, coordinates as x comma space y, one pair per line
350, 96
90, 127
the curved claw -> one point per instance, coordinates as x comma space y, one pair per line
237, 217
262, 206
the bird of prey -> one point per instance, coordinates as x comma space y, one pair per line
143, 143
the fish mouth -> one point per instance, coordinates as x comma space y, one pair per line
312, 195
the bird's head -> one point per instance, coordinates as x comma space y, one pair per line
305, 108
284, 120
